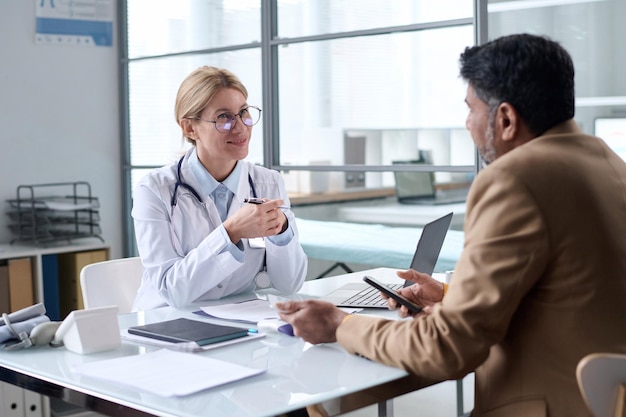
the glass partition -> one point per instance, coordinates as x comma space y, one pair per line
592, 31
370, 100
162, 27
156, 137
298, 18
351, 90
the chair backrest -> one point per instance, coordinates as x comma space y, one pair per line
602, 381
113, 282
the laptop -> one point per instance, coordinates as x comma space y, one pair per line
419, 188
426, 254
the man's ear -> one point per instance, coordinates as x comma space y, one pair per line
508, 122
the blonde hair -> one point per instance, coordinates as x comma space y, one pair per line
197, 90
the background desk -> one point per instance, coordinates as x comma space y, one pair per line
371, 244
298, 374
394, 213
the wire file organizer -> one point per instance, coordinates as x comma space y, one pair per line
48, 213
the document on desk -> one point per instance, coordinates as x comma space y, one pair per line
251, 311
167, 373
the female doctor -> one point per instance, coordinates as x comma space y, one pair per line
197, 238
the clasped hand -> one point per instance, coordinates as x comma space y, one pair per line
256, 220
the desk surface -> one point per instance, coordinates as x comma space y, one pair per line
298, 374
394, 213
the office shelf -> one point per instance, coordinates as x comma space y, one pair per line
56, 212
49, 275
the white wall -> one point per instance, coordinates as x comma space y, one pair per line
59, 117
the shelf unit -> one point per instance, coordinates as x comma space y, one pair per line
66, 273
45, 213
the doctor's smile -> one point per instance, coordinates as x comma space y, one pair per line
240, 142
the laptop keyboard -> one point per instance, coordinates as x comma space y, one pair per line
370, 296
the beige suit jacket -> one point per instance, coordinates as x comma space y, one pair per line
541, 282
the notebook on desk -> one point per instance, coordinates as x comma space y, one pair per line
419, 188
426, 254
186, 330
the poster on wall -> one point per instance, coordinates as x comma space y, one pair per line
74, 22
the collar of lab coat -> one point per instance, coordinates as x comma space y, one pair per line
208, 184
239, 185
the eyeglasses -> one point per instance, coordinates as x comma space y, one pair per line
225, 122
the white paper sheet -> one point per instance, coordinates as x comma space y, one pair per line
251, 311
185, 373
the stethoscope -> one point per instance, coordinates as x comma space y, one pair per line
262, 279
181, 183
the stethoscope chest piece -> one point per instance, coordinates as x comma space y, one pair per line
262, 279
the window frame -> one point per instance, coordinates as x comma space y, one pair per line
270, 42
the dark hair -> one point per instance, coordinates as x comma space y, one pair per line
532, 73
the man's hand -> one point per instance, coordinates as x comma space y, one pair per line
314, 321
426, 292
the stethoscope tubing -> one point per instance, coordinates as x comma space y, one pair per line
181, 183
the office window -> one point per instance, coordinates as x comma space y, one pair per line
163, 27
613, 131
298, 18
404, 79
371, 100
347, 86
166, 41
592, 32
155, 136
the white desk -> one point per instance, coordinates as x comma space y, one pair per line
298, 374
396, 214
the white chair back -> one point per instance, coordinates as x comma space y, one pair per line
602, 381
113, 282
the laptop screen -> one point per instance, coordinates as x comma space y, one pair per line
413, 184
430, 243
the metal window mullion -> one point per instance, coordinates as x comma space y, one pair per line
128, 238
375, 31
269, 81
481, 35
377, 168
214, 50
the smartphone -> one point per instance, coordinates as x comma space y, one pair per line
413, 308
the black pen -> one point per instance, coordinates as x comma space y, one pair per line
259, 201
253, 200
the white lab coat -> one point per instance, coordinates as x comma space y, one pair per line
184, 249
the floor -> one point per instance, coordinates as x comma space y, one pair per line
436, 401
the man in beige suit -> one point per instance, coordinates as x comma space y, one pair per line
541, 281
